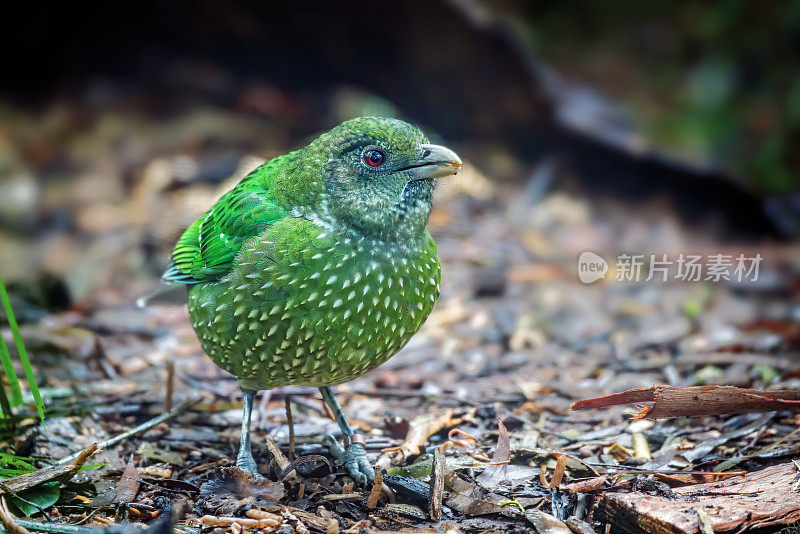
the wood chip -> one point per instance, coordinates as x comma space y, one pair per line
270, 523
757, 500
157, 471
640, 447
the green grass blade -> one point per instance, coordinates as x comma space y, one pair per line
17, 463
23, 354
8, 414
11, 374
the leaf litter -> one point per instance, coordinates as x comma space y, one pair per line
471, 421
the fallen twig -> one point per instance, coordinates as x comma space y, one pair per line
437, 486
29, 480
282, 461
421, 429
670, 401
340, 496
147, 425
170, 385
9, 521
290, 422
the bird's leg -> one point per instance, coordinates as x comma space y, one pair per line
354, 457
245, 460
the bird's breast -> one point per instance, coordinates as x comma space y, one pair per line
315, 306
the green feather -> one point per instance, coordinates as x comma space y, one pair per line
206, 250
316, 267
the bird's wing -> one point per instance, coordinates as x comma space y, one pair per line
207, 249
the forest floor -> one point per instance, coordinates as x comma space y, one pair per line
471, 423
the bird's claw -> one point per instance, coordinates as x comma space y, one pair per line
247, 464
354, 459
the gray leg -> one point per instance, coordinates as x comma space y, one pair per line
354, 457
245, 460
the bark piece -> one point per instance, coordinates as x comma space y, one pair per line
437, 486
670, 401
377, 486
756, 500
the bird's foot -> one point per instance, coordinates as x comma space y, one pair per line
354, 459
247, 464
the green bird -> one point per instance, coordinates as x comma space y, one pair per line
317, 267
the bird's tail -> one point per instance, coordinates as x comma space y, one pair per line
163, 295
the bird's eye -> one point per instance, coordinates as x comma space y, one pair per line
374, 158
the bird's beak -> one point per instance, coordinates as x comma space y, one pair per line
435, 161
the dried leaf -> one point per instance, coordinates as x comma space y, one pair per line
229, 489
545, 523
128, 485
496, 473
471, 499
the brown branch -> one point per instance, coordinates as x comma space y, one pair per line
8, 519
170, 385
670, 401
29, 480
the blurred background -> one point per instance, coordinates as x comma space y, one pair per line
618, 127
585, 125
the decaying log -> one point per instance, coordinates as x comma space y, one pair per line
756, 500
670, 401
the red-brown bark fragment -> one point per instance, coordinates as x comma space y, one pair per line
669, 401
756, 500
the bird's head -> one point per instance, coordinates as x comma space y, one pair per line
380, 174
